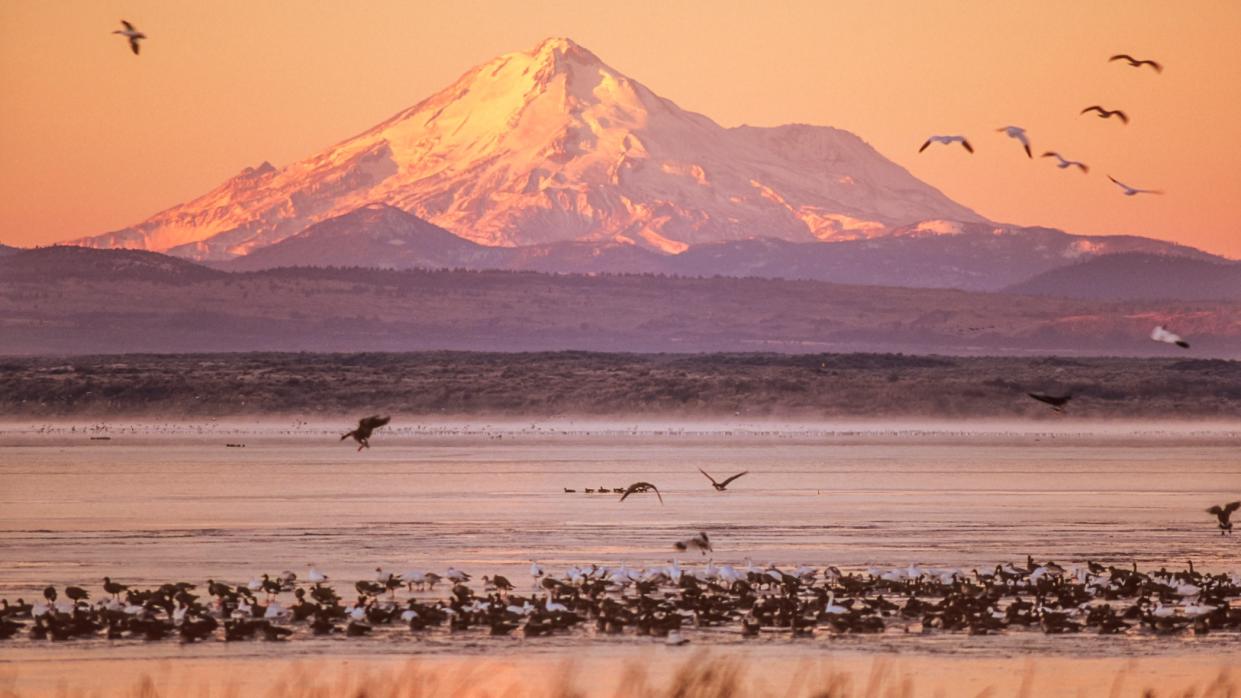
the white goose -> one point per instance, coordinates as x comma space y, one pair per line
1065, 163
129, 32
1019, 134
1130, 191
1162, 334
947, 140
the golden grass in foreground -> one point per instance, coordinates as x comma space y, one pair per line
697, 676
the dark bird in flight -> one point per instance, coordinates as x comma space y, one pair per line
1135, 62
721, 486
132, 34
1224, 514
1020, 134
1130, 191
699, 542
1107, 113
1064, 163
1057, 402
947, 140
639, 487
366, 426
1162, 334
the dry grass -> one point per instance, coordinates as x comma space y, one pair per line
700, 675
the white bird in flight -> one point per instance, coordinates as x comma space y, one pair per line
1065, 163
132, 34
1130, 191
1020, 134
1162, 334
947, 140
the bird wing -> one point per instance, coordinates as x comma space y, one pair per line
373, 422
967, 145
1118, 182
925, 145
1027, 147
713, 482
128, 26
1158, 68
1094, 107
637, 487
1121, 56
1123, 116
1082, 165
133, 44
734, 477
1050, 154
1231, 507
1215, 510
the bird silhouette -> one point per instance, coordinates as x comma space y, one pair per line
1162, 334
947, 140
132, 34
366, 426
1107, 113
1135, 62
721, 486
1130, 191
1224, 514
1057, 402
639, 487
1064, 162
1018, 133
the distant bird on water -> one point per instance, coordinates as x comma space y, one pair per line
639, 487
1133, 62
132, 34
1019, 134
1107, 113
366, 426
1224, 514
721, 486
1130, 191
1065, 163
1057, 402
947, 140
1162, 334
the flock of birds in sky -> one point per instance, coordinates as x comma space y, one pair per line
1019, 134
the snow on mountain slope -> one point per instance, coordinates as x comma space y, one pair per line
553, 145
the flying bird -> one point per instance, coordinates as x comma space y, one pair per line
132, 34
1135, 62
721, 486
699, 542
366, 426
1064, 163
1162, 334
1020, 134
947, 140
1130, 191
1224, 514
639, 487
1057, 402
1107, 113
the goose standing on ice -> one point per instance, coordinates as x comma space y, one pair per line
1018, 133
947, 140
132, 34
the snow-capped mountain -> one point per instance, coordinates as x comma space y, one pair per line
554, 145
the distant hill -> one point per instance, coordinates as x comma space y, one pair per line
1138, 276
376, 235
71, 300
45, 264
6, 250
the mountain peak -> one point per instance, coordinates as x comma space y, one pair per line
550, 145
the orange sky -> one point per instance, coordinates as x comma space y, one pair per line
93, 138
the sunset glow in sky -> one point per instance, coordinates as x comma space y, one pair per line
93, 138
